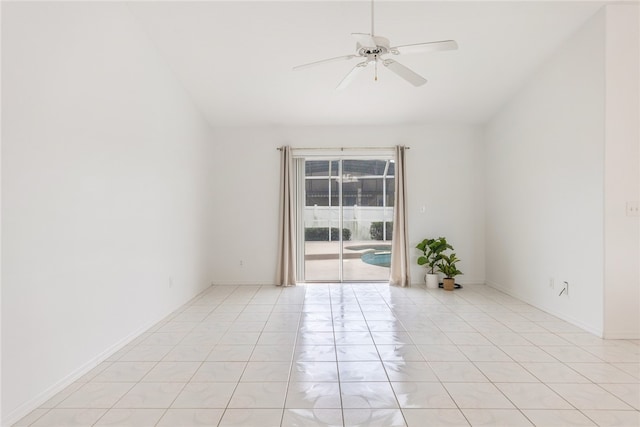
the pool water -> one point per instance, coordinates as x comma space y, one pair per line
379, 258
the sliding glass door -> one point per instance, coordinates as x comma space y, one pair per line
347, 218
322, 220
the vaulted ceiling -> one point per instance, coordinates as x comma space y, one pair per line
236, 58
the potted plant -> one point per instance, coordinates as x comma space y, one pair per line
447, 265
432, 250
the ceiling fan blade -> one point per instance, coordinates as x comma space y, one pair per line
424, 47
365, 40
337, 58
352, 74
404, 72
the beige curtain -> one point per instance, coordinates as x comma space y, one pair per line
399, 244
286, 271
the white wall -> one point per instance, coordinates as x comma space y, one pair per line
445, 174
104, 170
1, 413
544, 184
622, 173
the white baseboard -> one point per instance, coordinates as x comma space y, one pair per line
622, 335
413, 283
470, 282
563, 316
27, 407
244, 284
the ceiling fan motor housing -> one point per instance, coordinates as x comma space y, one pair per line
382, 46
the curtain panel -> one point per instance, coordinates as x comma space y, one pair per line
286, 270
400, 269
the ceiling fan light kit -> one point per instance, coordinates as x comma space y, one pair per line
371, 49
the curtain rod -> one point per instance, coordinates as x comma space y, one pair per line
343, 148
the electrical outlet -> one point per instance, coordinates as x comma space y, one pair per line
552, 282
241, 263
170, 281
632, 208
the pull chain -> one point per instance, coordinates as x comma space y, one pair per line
375, 65
376, 68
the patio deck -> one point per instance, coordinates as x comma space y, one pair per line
322, 262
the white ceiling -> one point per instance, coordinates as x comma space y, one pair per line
235, 58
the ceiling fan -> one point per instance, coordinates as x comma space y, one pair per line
372, 48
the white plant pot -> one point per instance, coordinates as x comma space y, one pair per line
432, 281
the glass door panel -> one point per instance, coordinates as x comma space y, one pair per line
366, 255
321, 222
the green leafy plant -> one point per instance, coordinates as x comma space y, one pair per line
321, 234
432, 250
376, 230
447, 265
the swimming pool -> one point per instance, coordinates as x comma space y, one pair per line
379, 258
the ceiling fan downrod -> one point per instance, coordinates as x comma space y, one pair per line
372, 34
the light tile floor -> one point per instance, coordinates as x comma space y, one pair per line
356, 355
